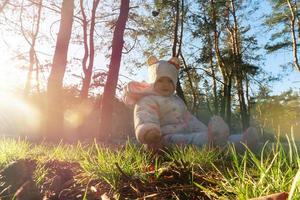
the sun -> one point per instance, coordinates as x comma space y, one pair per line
11, 76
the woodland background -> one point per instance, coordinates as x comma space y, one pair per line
74, 54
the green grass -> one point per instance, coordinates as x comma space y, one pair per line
276, 168
273, 170
11, 150
103, 162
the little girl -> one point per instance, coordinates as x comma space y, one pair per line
161, 118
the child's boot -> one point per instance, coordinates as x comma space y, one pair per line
249, 138
218, 131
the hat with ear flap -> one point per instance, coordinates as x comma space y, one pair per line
161, 68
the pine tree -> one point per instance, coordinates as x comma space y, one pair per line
285, 17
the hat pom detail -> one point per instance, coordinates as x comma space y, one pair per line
152, 60
175, 61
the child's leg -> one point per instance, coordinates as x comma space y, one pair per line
249, 138
183, 139
235, 138
218, 131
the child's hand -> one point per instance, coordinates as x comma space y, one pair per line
152, 136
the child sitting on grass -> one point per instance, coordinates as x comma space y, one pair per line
161, 118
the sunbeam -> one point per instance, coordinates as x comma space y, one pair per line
18, 118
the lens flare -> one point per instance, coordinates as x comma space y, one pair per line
18, 118
75, 117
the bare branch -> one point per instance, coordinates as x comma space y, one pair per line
3, 5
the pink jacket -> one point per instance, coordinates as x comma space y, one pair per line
169, 115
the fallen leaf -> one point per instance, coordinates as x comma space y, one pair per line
276, 196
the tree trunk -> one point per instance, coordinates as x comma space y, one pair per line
243, 107
176, 21
292, 24
215, 93
191, 83
113, 73
37, 73
32, 53
226, 87
249, 102
179, 53
213, 75
30, 70
228, 100
239, 73
88, 52
179, 90
223, 98
55, 111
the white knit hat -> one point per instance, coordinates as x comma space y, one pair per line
161, 68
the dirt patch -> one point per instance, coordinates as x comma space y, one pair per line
16, 181
63, 180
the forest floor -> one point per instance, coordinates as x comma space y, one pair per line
65, 180
31, 172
